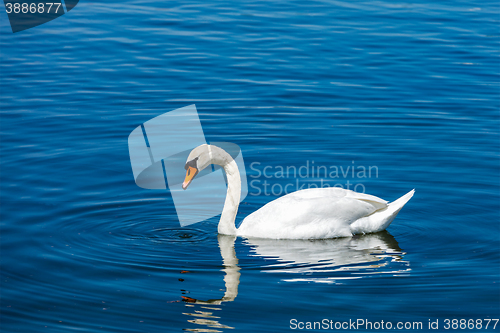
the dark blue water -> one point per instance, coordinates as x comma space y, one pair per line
410, 88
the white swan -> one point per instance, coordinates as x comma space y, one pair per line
316, 213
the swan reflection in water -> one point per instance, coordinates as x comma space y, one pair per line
331, 260
203, 315
323, 260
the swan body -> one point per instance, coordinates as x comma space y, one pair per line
321, 213
316, 213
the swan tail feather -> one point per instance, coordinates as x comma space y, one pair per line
381, 219
399, 203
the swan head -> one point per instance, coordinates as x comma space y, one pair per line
198, 159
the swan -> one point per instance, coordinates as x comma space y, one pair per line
316, 213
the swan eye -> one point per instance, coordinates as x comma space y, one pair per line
191, 164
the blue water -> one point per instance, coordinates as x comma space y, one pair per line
410, 88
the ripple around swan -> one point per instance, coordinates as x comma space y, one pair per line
166, 235
139, 240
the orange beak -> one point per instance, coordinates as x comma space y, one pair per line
190, 173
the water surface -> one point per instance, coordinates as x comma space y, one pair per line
410, 88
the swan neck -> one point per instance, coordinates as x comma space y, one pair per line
228, 216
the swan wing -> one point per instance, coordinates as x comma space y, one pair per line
337, 192
310, 213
